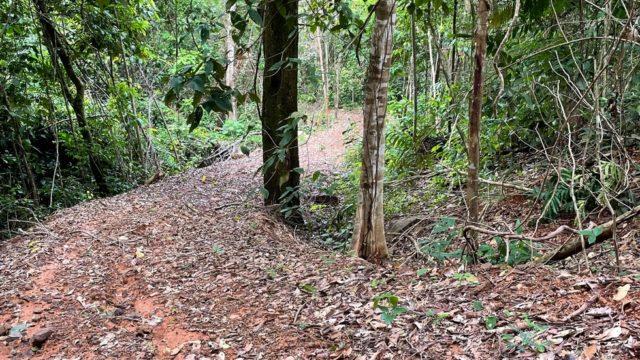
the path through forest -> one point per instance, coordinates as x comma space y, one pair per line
193, 267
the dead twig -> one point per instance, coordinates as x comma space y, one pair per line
582, 308
511, 235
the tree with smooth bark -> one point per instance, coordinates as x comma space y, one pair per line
324, 68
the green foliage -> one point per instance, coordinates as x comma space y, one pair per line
437, 245
589, 188
591, 234
519, 252
490, 322
511, 252
334, 223
308, 288
387, 303
525, 340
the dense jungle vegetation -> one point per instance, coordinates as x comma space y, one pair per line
99, 97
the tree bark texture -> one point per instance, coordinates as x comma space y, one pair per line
18, 145
414, 79
369, 237
279, 102
475, 114
230, 73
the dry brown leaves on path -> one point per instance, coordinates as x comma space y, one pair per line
169, 271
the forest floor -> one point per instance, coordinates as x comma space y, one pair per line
194, 267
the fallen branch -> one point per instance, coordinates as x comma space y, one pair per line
510, 235
154, 178
570, 247
574, 246
498, 183
506, 185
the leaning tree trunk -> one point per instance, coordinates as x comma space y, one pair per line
475, 113
368, 237
57, 47
279, 102
576, 245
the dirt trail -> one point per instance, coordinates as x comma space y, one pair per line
193, 267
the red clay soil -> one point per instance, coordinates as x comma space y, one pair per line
194, 267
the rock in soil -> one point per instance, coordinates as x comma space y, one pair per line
4, 329
38, 339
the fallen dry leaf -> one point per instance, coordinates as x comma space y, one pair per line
589, 352
622, 292
611, 333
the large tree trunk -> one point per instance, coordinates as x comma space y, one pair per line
324, 71
58, 51
230, 74
475, 113
368, 237
279, 102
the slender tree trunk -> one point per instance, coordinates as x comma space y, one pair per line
279, 102
336, 92
453, 47
368, 237
414, 79
145, 148
475, 114
432, 65
29, 179
57, 47
324, 71
454, 29
230, 74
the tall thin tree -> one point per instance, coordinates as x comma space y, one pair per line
475, 115
414, 77
324, 68
369, 237
230, 73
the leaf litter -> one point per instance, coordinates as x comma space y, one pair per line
171, 270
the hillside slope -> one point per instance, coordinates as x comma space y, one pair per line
194, 267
